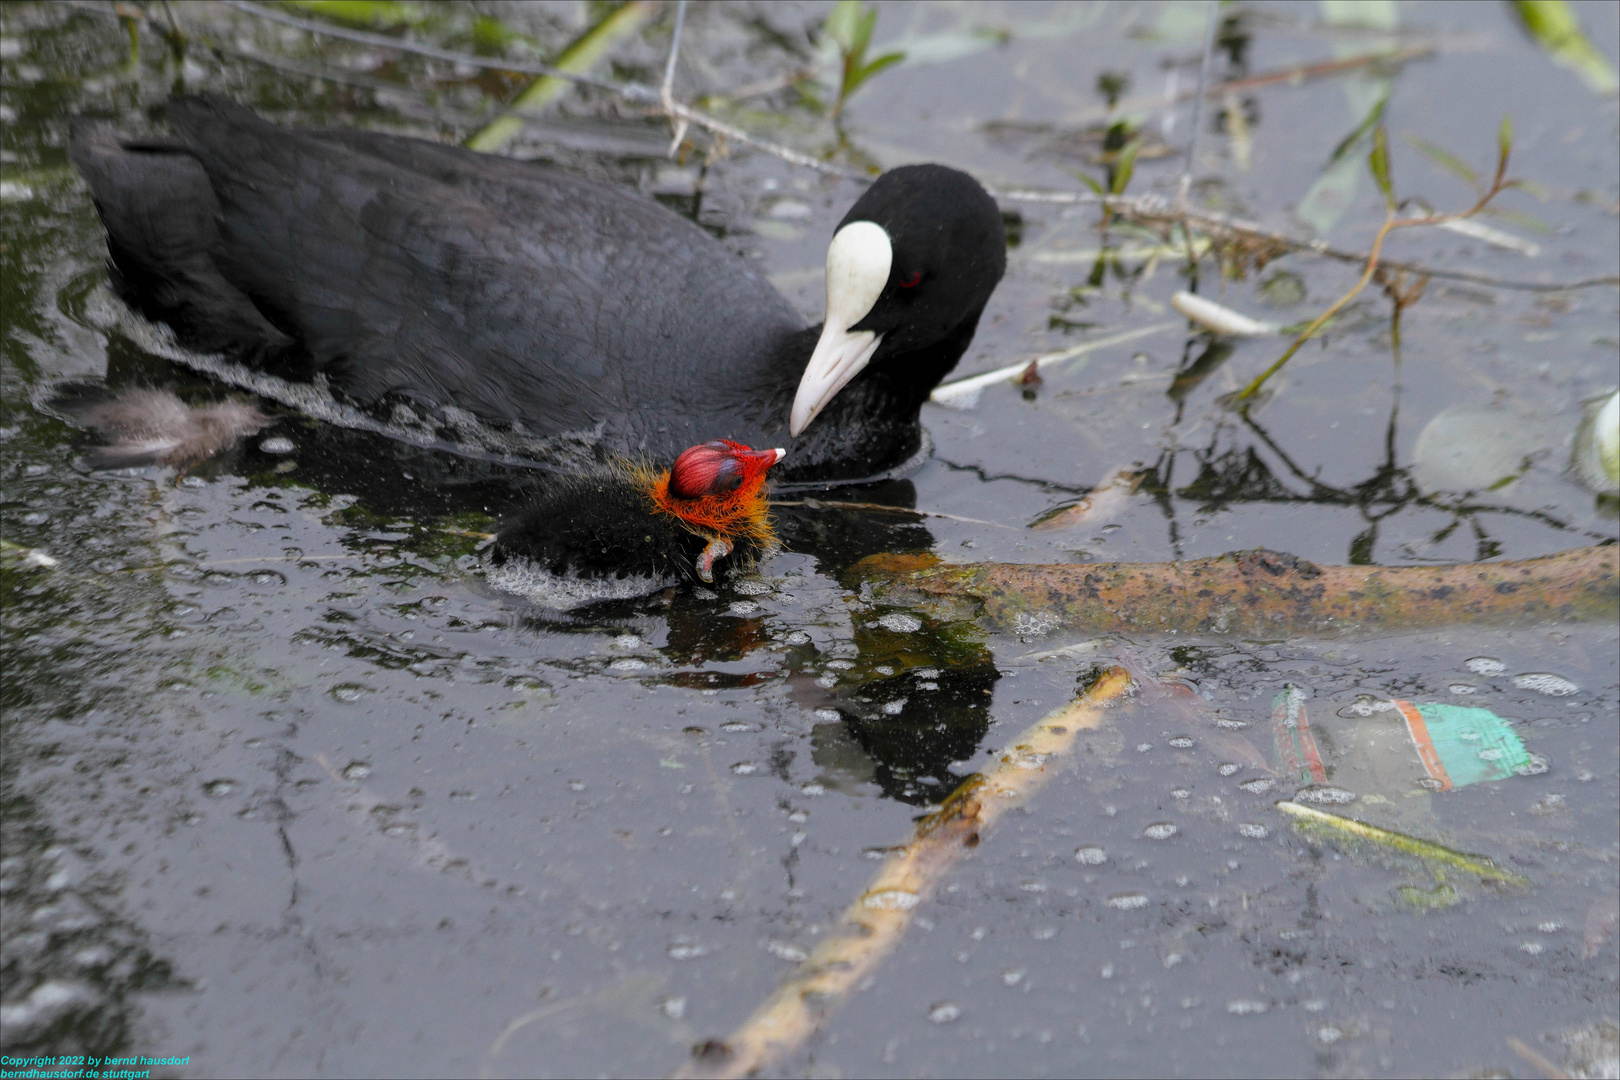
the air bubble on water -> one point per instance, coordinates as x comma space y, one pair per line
629, 663
1228, 768
349, 693
673, 1007
218, 789
1107, 971
840, 665
1033, 886
1246, 1007
900, 623
745, 768
1258, 786
1026, 759
736, 725
750, 587
1160, 830
1491, 753
944, 1012
1485, 665
1327, 1034
797, 637
1253, 831
1180, 793
884, 669
1090, 856
1314, 1005
1463, 689
926, 673
1545, 682
891, 900
1043, 933
812, 790
1324, 796
356, 770
1229, 724
894, 708
576, 785
1127, 901
684, 949
277, 444
627, 641
830, 716
1182, 742
1142, 748
786, 950
1367, 705
1012, 977
1534, 948
1550, 927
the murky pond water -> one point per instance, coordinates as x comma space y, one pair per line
289, 790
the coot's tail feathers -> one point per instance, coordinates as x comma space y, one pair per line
160, 214
154, 427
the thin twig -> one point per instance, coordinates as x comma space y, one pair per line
1198, 109
666, 93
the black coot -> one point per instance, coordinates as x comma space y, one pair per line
408, 271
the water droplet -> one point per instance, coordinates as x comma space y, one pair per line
1182, 742
218, 789
1227, 768
1258, 786
1160, 830
629, 663
1485, 665
356, 770
1324, 796
944, 1012
685, 950
900, 623
1544, 682
1253, 831
786, 950
891, 900
1243, 1007
745, 768
1090, 856
1127, 901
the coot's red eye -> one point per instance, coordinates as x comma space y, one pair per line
910, 282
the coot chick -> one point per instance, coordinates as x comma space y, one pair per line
623, 529
566, 311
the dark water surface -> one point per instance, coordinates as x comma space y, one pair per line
288, 789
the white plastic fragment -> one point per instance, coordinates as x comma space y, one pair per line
1219, 319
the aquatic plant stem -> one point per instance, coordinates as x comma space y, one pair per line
874, 923
1198, 108
1391, 223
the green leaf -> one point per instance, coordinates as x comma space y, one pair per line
884, 61
1378, 162
1556, 29
384, 14
843, 24
1089, 181
1443, 158
1504, 138
1374, 117
1126, 165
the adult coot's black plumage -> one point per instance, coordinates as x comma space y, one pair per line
403, 269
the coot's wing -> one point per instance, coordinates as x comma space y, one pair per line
516, 292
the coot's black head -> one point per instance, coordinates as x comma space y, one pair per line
908, 272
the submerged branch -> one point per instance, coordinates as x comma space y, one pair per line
874, 924
1255, 593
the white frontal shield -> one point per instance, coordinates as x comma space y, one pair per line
858, 263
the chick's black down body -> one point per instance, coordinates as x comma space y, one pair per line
597, 522
404, 269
